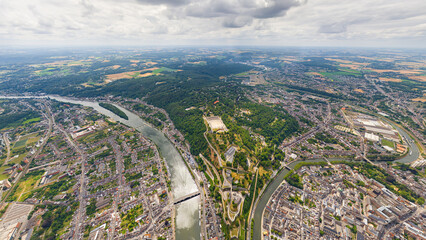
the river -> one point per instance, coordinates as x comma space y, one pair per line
187, 225
187, 213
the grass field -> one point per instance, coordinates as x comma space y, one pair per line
242, 74
234, 232
20, 143
163, 69
45, 72
19, 159
27, 139
388, 143
33, 140
25, 186
32, 120
3, 176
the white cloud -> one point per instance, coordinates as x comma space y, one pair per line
263, 22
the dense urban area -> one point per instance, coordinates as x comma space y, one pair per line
277, 143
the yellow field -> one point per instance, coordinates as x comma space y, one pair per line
128, 75
418, 99
150, 63
418, 78
314, 73
413, 64
395, 71
338, 60
146, 74
390, 79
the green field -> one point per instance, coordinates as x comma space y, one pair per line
18, 159
163, 69
3, 176
347, 73
388, 143
242, 74
234, 232
25, 185
46, 72
37, 119
33, 140
20, 143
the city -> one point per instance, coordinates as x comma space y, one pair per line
212, 120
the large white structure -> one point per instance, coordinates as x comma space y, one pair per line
372, 137
216, 124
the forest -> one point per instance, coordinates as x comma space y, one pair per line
17, 118
114, 109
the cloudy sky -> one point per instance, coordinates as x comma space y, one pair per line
389, 23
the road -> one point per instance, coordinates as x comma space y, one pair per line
252, 208
81, 211
207, 162
219, 158
7, 143
117, 198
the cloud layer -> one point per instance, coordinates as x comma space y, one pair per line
206, 22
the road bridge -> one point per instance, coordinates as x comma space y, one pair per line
186, 197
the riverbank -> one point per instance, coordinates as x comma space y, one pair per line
187, 213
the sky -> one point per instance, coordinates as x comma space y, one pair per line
341, 23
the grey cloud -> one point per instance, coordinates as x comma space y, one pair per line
89, 9
249, 8
41, 31
237, 22
333, 28
164, 2
36, 30
210, 9
160, 30
276, 9
341, 26
232, 13
405, 14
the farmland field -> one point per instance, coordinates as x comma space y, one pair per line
163, 69
331, 74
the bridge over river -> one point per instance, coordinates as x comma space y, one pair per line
186, 197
